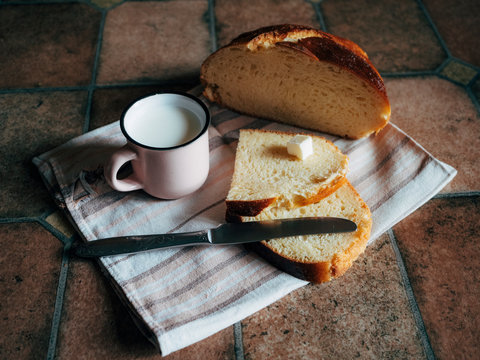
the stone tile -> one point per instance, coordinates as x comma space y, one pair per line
106, 3
457, 23
96, 325
108, 104
395, 34
29, 270
33, 123
26, 1
59, 221
236, 17
459, 72
442, 118
476, 89
363, 314
439, 243
47, 45
148, 41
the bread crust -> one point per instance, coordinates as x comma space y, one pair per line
248, 207
316, 272
325, 49
278, 33
324, 192
238, 208
317, 44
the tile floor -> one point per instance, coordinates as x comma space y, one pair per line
69, 67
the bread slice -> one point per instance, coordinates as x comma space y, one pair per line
265, 175
300, 76
317, 258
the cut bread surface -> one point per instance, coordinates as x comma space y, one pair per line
300, 76
318, 258
269, 183
265, 175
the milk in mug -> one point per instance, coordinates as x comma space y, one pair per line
165, 126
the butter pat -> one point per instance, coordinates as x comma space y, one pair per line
301, 146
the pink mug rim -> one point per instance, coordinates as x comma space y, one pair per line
181, 93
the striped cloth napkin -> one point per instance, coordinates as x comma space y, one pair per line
183, 295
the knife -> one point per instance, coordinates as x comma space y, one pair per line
225, 234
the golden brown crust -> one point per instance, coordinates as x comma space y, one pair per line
238, 208
325, 49
323, 192
278, 33
312, 272
232, 218
248, 207
319, 45
317, 272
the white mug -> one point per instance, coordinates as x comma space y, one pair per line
167, 144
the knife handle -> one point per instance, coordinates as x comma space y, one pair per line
131, 244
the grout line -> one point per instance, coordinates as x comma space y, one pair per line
427, 347
318, 13
57, 312
95, 87
55, 232
443, 65
466, 63
470, 91
167, 82
43, 2
48, 212
107, 8
18, 220
176, 81
237, 333
474, 99
457, 195
434, 28
91, 87
453, 81
212, 24
44, 89
420, 73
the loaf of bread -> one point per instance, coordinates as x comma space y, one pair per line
300, 76
267, 176
317, 258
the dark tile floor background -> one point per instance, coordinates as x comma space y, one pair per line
69, 67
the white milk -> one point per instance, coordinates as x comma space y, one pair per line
167, 126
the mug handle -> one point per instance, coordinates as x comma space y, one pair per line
118, 159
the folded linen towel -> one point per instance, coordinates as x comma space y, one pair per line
183, 295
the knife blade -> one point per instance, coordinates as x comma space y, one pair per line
225, 234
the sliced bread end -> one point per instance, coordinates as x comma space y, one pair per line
318, 258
